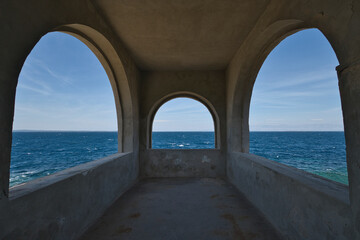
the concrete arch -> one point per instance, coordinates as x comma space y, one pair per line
154, 109
114, 68
245, 77
242, 74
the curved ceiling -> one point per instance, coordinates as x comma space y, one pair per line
182, 35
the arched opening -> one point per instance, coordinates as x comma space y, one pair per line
65, 112
183, 123
295, 111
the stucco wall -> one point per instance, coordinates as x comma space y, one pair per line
65, 204
299, 204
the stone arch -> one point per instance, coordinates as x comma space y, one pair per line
245, 77
186, 94
114, 68
243, 71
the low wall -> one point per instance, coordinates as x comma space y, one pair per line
65, 204
182, 163
299, 204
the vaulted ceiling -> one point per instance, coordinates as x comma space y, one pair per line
182, 34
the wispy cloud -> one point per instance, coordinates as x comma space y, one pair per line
27, 109
58, 76
45, 68
34, 89
161, 121
34, 80
291, 80
177, 109
332, 110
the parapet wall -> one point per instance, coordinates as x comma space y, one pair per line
299, 204
182, 163
65, 204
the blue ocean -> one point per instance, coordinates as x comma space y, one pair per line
38, 154
322, 153
183, 140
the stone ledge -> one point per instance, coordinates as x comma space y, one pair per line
39, 183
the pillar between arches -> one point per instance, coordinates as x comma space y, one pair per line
7, 100
349, 85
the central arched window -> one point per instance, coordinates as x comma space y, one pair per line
183, 123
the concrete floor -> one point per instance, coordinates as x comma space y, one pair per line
175, 208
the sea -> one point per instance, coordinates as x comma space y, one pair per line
39, 154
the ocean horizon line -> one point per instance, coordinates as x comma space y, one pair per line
25, 130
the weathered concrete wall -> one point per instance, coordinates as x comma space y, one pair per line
182, 163
299, 204
65, 204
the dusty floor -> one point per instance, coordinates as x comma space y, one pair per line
174, 208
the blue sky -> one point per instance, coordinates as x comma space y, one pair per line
63, 86
297, 87
183, 114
